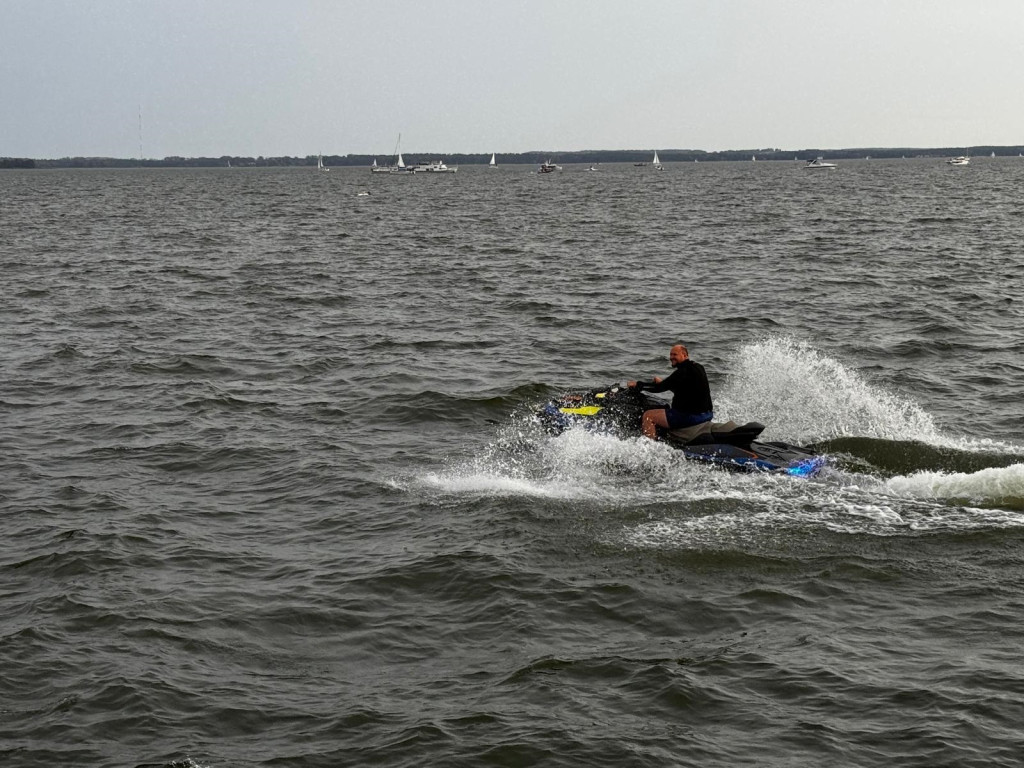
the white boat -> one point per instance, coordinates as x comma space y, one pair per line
493, 163
320, 163
819, 163
656, 162
549, 167
436, 166
960, 160
593, 167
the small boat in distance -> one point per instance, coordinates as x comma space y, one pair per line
656, 162
819, 163
320, 163
435, 166
960, 160
548, 167
493, 163
398, 166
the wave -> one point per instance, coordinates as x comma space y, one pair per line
1001, 487
901, 457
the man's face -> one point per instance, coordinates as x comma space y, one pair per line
676, 356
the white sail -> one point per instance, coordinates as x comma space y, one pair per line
374, 163
656, 161
493, 162
401, 162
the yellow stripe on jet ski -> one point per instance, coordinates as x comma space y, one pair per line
585, 410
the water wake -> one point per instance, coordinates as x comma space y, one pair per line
992, 487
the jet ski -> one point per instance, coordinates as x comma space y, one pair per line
618, 410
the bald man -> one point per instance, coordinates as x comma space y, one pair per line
691, 395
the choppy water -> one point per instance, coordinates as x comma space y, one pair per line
272, 497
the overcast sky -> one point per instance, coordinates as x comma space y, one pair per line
300, 77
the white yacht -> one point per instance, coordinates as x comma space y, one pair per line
436, 166
819, 163
960, 160
656, 162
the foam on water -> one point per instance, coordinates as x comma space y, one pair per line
920, 503
583, 466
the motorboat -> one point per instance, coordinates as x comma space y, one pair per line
618, 410
548, 167
961, 160
435, 166
819, 163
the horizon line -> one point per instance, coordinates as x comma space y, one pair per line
766, 150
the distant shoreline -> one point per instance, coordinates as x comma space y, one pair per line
517, 158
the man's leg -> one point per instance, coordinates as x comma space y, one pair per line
652, 420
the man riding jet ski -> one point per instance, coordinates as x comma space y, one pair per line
686, 424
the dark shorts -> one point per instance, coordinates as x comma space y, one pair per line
677, 420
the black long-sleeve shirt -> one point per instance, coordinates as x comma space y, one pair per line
689, 385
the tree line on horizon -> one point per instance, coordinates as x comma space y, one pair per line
511, 158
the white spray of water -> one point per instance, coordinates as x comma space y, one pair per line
804, 396
799, 392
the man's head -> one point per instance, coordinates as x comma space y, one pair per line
678, 354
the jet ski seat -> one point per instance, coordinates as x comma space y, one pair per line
708, 433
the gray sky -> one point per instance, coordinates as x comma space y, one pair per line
298, 77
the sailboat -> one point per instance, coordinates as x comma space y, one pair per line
656, 162
320, 163
397, 167
493, 163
